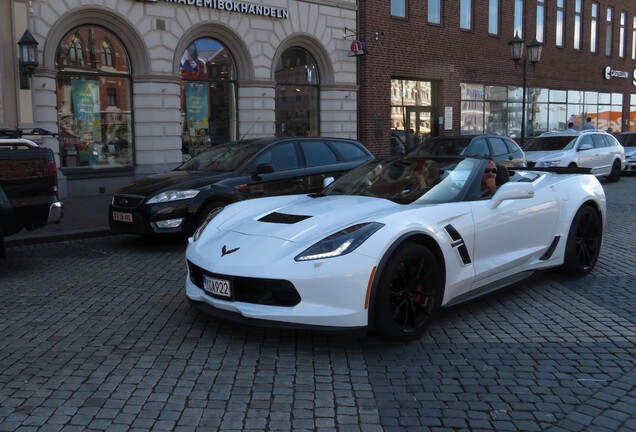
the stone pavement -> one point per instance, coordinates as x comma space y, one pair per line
84, 216
96, 335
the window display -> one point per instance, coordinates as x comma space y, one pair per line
93, 101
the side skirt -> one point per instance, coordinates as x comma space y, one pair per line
491, 287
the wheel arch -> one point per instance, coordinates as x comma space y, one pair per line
421, 238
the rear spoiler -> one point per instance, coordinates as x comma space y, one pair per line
555, 170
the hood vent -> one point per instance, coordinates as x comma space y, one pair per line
282, 218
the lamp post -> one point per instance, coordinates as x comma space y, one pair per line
533, 55
28, 58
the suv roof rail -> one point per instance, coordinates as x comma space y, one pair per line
19, 133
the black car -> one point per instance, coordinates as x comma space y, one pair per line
177, 201
502, 149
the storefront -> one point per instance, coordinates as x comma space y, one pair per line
139, 86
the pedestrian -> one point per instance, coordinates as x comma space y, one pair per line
588, 124
570, 128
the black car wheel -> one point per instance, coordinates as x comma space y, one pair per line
583, 243
615, 174
409, 294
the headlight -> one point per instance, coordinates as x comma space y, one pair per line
340, 243
205, 223
174, 195
550, 164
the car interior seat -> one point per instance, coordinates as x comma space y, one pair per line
502, 175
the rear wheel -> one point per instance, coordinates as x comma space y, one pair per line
615, 174
409, 293
583, 243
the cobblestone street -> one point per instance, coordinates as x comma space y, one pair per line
97, 334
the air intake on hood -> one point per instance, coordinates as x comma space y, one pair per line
282, 218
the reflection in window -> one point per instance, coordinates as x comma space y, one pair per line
560, 22
93, 101
578, 24
297, 94
466, 14
208, 96
398, 8
594, 28
609, 30
493, 17
540, 20
435, 11
483, 110
518, 19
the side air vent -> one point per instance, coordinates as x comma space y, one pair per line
458, 243
282, 218
548, 253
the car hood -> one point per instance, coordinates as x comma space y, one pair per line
535, 156
181, 180
299, 218
630, 151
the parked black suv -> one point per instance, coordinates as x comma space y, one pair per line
177, 201
502, 149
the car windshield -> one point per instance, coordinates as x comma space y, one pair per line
441, 147
627, 140
407, 179
551, 143
225, 157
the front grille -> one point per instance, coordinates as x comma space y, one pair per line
138, 226
127, 201
269, 292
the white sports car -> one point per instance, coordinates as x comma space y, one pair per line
388, 244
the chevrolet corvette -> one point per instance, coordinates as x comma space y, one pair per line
392, 242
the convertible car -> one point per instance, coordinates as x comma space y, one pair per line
387, 245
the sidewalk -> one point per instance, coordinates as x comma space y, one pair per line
84, 216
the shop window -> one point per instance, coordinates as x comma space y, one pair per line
209, 96
93, 102
297, 94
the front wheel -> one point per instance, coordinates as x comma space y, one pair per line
615, 174
409, 293
583, 242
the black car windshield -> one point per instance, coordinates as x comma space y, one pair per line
442, 147
550, 143
225, 157
407, 179
627, 140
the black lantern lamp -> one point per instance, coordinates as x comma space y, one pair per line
28, 58
533, 55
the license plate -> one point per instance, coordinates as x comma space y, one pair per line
122, 217
219, 287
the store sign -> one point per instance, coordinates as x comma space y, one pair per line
233, 6
357, 48
613, 73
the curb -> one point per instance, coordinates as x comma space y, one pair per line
59, 237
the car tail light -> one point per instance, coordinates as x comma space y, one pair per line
51, 175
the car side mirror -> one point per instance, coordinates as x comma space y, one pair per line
327, 181
511, 191
583, 147
264, 168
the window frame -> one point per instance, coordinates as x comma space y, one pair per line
404, 7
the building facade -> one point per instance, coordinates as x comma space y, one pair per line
134, 87
440, 67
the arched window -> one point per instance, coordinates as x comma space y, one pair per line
209, 107
107, 55
297, 94
94, 101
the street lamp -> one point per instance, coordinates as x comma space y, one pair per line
28, 58
533, 55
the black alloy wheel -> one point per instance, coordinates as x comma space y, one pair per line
615, 174
583, 243
409, 294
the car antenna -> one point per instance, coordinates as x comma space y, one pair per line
248, 130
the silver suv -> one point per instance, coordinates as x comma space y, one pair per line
587, 149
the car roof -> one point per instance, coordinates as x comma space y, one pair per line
263, 141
